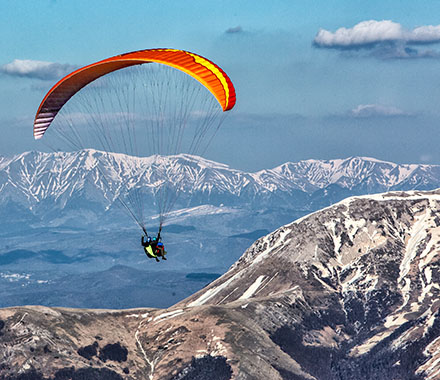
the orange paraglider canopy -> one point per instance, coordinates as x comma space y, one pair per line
203, 70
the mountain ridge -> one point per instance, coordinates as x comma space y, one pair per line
347, 292
32, 177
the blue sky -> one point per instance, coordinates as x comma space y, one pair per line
314, 79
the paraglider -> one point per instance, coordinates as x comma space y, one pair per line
155, 102
153, 247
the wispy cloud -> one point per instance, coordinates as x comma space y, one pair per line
36, 69
383, 39
376, 110
234, 30
426, 158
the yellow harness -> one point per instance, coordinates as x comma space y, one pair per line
149, 251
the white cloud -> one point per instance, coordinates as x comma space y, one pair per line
372, 110
387, 39
364, 33
425, 34
36, 69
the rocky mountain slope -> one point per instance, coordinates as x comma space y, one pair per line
349, 292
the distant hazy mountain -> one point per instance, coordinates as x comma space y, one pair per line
348, 292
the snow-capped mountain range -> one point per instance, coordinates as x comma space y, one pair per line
40, 181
